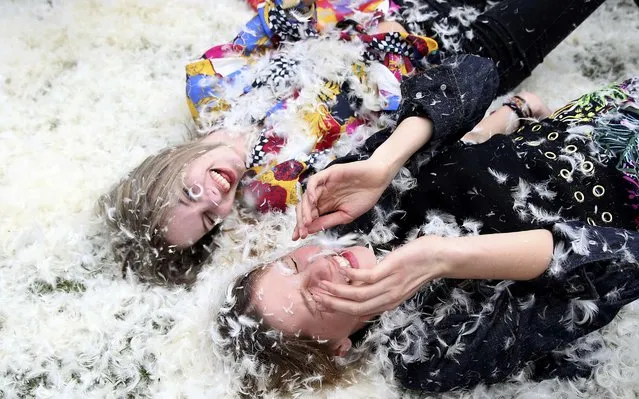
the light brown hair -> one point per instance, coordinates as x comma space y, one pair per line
268, 360
136, 209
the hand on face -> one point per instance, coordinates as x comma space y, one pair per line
395, 279
285, 292
339, 195
207, 195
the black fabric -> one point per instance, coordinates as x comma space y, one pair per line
454, 95
546, 175
525, 324
515, 34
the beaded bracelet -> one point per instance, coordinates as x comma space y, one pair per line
519, 105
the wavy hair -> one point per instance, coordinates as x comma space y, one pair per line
266, 360
135, 211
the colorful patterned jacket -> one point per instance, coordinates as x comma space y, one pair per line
222, 75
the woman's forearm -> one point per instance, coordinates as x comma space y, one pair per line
409, 136
505, 121
522, 255
502, 121
506, 256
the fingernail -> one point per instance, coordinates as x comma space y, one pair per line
323, 286
342, 271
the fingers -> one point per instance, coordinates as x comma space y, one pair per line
369, 276
299, 223
305, 213
374, 306
307, 209
356, 293
327, 221
312, 186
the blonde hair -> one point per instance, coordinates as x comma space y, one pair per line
266, 360
136, 209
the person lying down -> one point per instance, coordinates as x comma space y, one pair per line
503, 256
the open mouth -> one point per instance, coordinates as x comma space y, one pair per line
344, 263
351, 258
222, 179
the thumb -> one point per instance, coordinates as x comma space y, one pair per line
327, 221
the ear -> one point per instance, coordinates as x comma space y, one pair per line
342, 347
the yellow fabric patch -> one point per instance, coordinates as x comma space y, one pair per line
200, 67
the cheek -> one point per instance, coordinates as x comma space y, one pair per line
225, 207
305, 253
188, 177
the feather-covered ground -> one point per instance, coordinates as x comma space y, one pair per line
88, 88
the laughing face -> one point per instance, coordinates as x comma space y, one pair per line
284, 293
209, 185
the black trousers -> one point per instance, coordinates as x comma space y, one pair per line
515, 34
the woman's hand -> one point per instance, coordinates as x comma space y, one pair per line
339, 195
522, 255
375, 290
505, 121
344, 192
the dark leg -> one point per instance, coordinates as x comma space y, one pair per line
449, 22
518, 34
515, 34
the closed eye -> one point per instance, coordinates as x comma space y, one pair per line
294, 264
188, 195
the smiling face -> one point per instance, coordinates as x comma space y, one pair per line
283, 294
206, 196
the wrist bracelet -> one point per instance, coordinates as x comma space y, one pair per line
519, 105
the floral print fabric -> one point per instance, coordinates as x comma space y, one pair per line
222, 74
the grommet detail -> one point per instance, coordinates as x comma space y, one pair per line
587, 166
571, 149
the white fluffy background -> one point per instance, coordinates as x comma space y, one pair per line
88, 88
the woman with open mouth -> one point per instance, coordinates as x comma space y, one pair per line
165, 214
492, 265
